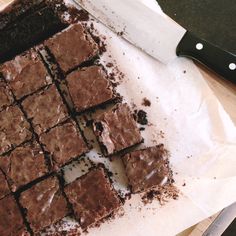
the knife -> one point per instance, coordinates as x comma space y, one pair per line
158, 35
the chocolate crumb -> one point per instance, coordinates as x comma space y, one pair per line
83, 15
77, 15
146, 102
92, 26
142, 129
141, 117
184, 184
101, 44
126, 197
120, 33
109, 64
163, 194
184, 71
162, 134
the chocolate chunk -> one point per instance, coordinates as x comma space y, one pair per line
92, 197
146, 102
89, 87
147, 168
4, 189
72, 47
25, 74
64, 143
11, 221
14, 129
23, 165
46, 109
141, 117
116, 129
44, 204
6, 98
28, 31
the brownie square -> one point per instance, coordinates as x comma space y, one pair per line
116, 130
92, 197
45, 108
4, 189
25, 74
72, 47
11, 221
6, 97
147, 168
89, 87
23, 165
44, 204
14, 129
64, 143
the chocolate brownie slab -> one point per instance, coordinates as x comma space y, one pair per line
17, 9
45, 108
64, 143
92, 197
116, 129
44, 204
11, 221
72, 47
25, 74
28, 31
14, 129
4, 189
147, 168
6, 97
89, 87
23, 165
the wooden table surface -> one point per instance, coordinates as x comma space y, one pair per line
226, 93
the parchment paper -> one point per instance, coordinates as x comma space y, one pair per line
197, 131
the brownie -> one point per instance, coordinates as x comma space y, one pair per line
72, 47
17, 9
14, 129
6, 97
89, 87
25, 74
45, 108
44, 204
64, 143
23, 165
116, 129
147, 168
4, 189
11, 221
28, 31
92, 197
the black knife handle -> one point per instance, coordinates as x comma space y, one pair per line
220, 61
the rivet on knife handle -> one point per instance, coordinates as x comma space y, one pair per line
220, 61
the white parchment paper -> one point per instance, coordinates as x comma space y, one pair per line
197, 131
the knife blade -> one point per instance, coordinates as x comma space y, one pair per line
159, 36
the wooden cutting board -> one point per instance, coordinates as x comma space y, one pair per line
226, 93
